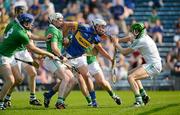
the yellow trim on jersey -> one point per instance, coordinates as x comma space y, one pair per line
82, 41
76, 25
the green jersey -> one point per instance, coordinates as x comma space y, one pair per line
91, 58
8, 27
57, 36
14, 39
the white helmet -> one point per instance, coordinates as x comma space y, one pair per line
55, 16
99, 22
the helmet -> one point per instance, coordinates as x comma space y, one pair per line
55, 16
25, 18
19, 10
99, 22
137, 26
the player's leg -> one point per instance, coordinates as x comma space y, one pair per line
97, 73
143, 93
65, 79
18, 80
58, 69
84, 89
89, 83
137, 74
73, 81
48, 95
81, 64
31, 72
7, 75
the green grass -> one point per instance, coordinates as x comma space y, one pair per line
162, 102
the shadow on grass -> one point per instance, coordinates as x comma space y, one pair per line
159, 109
30, 108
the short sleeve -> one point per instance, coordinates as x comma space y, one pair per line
24, 39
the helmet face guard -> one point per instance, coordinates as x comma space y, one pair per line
137, 28
99, 26
19, 10
26, 19
55, 16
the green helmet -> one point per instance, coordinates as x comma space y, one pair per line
137, 26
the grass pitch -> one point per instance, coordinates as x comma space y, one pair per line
162, 103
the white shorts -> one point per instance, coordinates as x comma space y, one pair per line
24, 55
78, 62
52, 65
94, 68
153, 69
7, 60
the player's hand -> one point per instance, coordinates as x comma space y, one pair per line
65, 42
52, 56
65, 59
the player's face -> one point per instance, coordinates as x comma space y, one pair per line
28, 26
134, 33
100, 29
59, 22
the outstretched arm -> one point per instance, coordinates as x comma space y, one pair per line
37, 37
124, 51
102, 51
37, 50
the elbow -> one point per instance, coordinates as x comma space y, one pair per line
124, 53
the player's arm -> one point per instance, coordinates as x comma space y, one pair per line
71, 25
38, 37
124, 51
31, 47
103, 52
125, 39
55, 49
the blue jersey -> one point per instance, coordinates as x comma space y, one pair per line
83, 38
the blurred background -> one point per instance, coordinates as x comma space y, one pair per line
161, 18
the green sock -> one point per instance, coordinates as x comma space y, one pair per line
142, 92
88, 99
138, 98
111, 93
60, 100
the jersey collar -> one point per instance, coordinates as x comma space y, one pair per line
51, 25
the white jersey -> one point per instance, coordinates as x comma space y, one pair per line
147, 48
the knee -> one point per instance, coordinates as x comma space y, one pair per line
73, 81
32, 74
100, 82
18, 81
67, 79
130, 78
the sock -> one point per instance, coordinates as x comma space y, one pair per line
60, 100
1, 103
8, 97
143, 92
138, 98
51, 92
93, 95
88, 99
32, 96
111, 93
